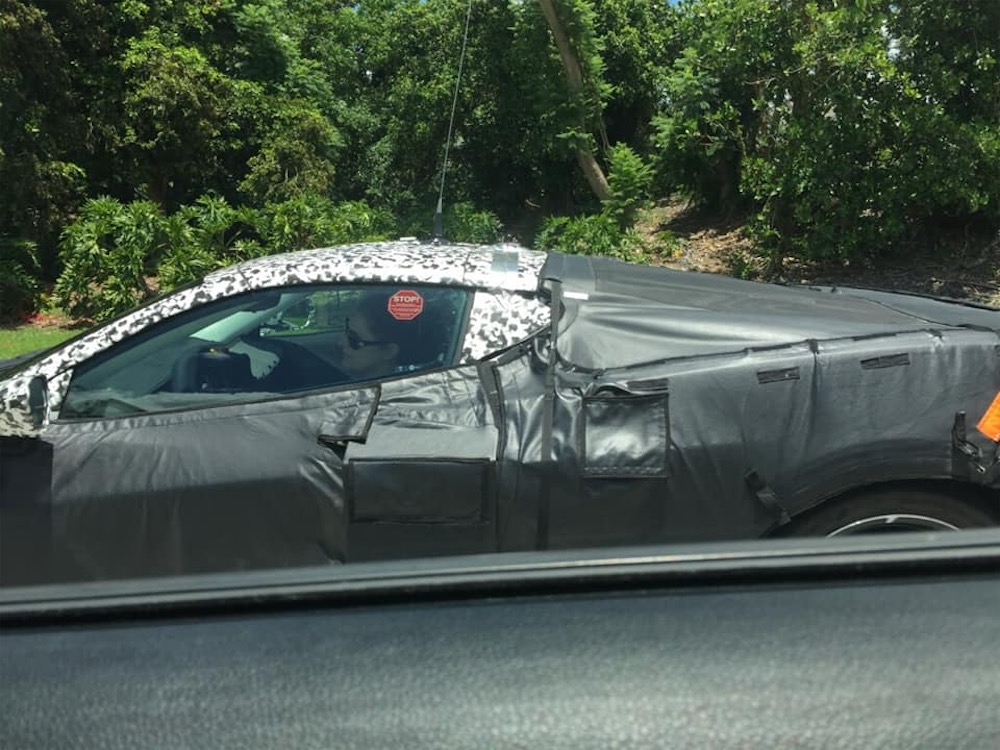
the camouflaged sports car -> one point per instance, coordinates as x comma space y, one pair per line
402, 399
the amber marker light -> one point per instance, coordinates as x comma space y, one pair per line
989, 425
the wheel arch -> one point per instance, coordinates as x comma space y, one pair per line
980, 497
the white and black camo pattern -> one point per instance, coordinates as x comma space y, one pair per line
58, 385
499, 320
389, 262
394, 262
15, 421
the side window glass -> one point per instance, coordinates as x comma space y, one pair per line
319, 312
391, 331
367, 332
271, 343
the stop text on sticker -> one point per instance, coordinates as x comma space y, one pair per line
405, 304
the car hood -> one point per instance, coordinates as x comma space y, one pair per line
619, 314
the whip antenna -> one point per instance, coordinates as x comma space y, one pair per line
438, 220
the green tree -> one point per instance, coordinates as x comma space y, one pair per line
297, 156
179, 118
42, 129
572, 26
843, 124
638, 42
718, 94
863, 152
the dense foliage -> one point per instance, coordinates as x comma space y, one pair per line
847, 127
144, 142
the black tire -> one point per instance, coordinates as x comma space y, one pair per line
892, 509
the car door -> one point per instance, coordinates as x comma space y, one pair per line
228, 487
422, 481
177, 451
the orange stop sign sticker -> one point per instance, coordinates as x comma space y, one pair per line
406, 304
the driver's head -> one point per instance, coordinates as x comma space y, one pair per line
375, 339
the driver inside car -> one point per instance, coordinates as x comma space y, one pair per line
379, 344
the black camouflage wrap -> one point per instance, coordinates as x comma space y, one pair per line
815, 392
668, 406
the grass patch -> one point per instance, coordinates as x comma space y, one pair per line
24, 339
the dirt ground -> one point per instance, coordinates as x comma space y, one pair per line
967, 267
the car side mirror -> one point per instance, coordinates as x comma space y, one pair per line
38, 401
23, 407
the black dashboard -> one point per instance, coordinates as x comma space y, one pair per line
783, 645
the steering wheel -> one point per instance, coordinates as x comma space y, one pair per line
184, 374
298, 368
211, 369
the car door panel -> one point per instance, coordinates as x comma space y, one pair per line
397, 474
423, 482
606, 480
402, 468
225, 488
611, 443
26, 507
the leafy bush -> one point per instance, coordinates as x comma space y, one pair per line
20, 288
460, 222
117, 255
629, 182
356, 221
109, 254
314, 221
594, 234
610, 232
464, 223
205, 236
184, 264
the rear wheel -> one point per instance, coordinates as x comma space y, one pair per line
891, 510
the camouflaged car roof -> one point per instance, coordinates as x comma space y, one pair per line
504, 266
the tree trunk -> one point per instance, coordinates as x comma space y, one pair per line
574, 75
